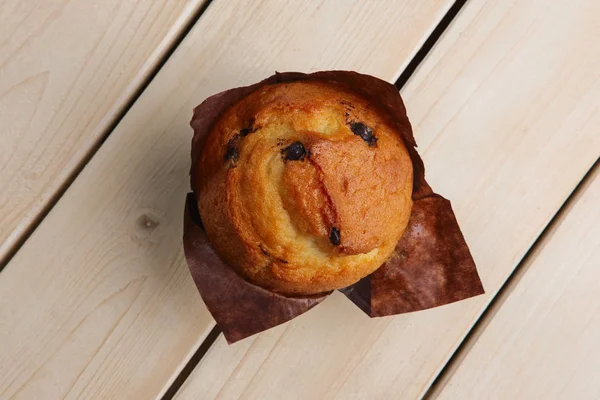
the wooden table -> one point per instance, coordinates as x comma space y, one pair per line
96, 301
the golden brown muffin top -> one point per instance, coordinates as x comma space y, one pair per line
304, 187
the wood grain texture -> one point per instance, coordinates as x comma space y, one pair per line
99, 302
67, 68
543, 341
506, 113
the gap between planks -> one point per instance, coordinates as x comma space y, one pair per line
404, 76
435, 35
89, 154
507, 288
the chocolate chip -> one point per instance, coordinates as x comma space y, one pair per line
231, 153
294, 151
334, 236
245, 132
364, 132
250, 129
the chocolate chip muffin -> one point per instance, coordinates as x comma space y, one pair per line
304, 187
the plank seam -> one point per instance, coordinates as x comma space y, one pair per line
189, 367
428, 45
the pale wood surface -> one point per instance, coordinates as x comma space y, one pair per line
505, 110
544, 340
99, 303
66, 70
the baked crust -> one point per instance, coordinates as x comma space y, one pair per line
304, 187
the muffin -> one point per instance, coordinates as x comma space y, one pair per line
304, 187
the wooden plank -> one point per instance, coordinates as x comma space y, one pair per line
99, 302
505, 110
67, 68
544, 339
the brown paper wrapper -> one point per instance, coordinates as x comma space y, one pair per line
431, 265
